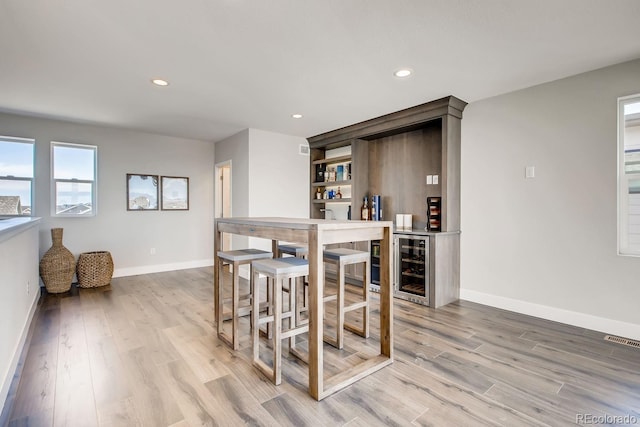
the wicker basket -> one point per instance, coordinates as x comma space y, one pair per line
57, 265
94, 269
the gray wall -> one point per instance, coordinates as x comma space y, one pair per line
269, 177
182, 239
547, 246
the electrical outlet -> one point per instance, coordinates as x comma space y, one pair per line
435, 179
152, 251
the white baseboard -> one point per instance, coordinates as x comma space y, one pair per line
583, 320
159, 268
6, 385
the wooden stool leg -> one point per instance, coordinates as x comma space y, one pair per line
277, 331
251, 298
365, 297
255, 315
340, 307
269, 307
234, 307
219, 294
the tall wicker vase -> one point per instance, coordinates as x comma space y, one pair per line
57, 265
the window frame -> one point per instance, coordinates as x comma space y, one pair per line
624, 247
93, 183
32, 180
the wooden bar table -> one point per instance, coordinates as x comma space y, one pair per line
316, 233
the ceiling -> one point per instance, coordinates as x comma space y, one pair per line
237, 64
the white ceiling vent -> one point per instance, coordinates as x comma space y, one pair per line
304, 150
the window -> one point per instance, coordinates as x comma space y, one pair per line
73, 168
629, 175
16, 176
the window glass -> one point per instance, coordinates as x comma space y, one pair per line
74, 179
629, 176
16, 176
73, 162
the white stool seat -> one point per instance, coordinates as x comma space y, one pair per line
244, 255
344, 254
282, 266
235, 258
293, 249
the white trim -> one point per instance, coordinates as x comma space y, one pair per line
583, 320
55, 181
624, 248
17, 352
159, 268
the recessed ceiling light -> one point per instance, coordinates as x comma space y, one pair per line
160, 82
403, 72
296, 116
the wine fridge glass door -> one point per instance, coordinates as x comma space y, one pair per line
412, 268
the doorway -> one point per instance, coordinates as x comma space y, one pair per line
222, 208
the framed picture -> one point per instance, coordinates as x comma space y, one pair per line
142, 192
175, 193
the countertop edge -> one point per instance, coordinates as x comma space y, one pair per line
422, 232
13, 226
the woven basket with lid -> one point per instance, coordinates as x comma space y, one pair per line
94, 269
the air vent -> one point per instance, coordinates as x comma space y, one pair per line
623, 341
304, 150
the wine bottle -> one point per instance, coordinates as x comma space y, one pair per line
364, 213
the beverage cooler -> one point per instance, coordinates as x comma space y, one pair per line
411, 268
375, 266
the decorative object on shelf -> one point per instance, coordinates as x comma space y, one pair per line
57, 265
175, 193
376, 207
404, 222
320, 171
433, 214
94, 269
364, 212
142, 192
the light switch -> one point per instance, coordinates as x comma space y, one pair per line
429, 179
435, 179
530, 172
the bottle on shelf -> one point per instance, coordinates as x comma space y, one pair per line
338, 194
332, 174
326, 194
349, 212
364, 212
318, 194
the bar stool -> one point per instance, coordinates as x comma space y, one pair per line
298, 251
342, 257
236, 259
276, 270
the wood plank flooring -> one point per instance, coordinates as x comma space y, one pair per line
143, 352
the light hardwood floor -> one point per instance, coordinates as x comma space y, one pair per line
143, 352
